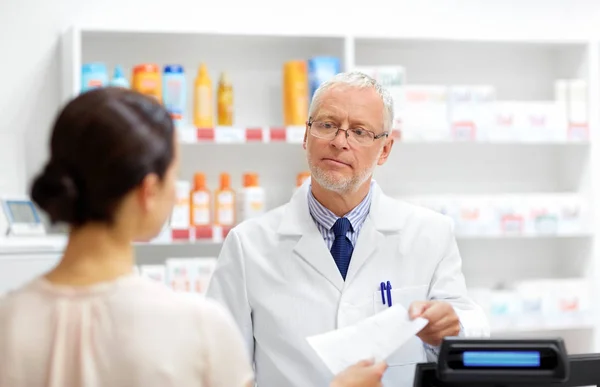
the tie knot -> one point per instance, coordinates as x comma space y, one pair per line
341, 227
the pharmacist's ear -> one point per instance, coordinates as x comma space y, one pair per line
305, 136
385, 151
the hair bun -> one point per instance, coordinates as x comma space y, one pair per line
55, 192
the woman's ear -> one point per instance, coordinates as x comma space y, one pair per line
148, 192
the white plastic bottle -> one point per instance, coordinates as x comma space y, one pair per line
252, 198
180, 218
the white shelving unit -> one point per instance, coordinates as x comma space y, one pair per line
520, 70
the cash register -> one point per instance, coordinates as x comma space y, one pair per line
508, 363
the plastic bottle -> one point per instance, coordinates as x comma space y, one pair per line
119, 79
200, 202
146, 80
225, 202
300, 179
225, 101
203, 108
180, 217
295, 93
174, 92
93, 75
253, 197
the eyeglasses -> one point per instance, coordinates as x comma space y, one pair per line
329, 131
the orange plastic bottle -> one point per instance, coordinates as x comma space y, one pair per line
147, 80
225, 202
200, 202
295, 92
301, 178
225, 101
248, 178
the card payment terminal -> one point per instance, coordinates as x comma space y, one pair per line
508, 363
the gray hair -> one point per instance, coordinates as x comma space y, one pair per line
359, 80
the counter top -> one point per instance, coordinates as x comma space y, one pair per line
27, 245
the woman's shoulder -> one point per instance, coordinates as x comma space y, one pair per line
159, 295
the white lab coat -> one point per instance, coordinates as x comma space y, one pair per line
280, 282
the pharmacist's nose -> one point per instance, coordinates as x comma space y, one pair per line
340, 141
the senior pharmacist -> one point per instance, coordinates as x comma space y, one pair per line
341, 251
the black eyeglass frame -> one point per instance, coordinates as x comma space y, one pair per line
375, 136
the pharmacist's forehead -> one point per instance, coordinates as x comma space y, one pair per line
352, 109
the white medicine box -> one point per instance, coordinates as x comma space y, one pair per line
471, 112
423, 113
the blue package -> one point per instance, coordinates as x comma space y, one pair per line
93, 75
321, 69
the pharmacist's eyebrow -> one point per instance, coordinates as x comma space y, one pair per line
326, 117
359, 123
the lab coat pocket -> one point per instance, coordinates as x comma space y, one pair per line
413, 350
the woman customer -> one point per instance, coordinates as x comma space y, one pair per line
91, 321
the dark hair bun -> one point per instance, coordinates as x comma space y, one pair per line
104, 143
55, 192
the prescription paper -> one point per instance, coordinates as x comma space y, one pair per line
375, 338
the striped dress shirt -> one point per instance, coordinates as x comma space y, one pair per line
325, 219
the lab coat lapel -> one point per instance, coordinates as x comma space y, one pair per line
384, 218
311, 247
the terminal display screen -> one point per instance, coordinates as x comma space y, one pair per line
501, 359
505, 359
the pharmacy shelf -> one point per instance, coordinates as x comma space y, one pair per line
240, 135
295, 135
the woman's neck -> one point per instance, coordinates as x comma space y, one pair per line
94, 254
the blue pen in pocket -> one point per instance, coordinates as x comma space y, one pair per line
382, 287
389, 294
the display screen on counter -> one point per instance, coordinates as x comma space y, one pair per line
22, 212
501, 359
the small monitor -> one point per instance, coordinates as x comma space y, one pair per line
21, 211
22, 217
508, 363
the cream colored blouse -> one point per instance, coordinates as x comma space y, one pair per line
131, 332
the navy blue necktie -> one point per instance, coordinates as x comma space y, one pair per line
341, 250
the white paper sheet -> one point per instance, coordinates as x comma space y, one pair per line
375, 338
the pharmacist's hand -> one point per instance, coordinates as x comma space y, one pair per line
362, 374
443, 320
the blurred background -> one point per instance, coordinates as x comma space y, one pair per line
496, 126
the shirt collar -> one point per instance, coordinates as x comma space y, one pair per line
327, 219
